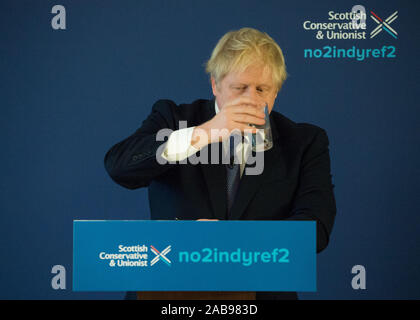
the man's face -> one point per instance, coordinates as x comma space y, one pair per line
255, 82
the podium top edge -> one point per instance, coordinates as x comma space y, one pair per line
223, 221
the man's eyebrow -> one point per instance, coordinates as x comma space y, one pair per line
238, 84
246, 84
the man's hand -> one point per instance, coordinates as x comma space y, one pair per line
236, 115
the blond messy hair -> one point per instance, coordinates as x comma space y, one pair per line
237, 50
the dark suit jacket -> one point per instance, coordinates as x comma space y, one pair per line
295, 184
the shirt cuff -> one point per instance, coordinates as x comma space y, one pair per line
178, 147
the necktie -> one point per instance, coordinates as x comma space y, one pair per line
233, 176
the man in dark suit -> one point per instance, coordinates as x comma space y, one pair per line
247, 70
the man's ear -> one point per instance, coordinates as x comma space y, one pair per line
214, 86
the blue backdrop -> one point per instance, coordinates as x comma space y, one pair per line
66, 96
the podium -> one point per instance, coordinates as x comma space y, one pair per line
194, 260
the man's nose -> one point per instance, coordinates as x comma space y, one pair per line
252, 94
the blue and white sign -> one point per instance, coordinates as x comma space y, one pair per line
194, 256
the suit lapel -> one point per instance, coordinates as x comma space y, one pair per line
215, 177
214, 174
250, 184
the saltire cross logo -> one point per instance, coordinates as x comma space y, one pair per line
384, 24
161, 255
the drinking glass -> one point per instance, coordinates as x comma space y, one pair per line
262, 140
